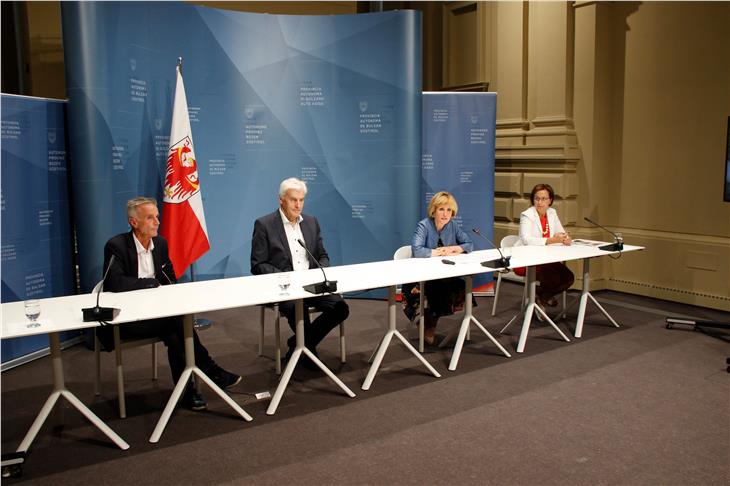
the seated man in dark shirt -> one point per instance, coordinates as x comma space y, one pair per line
141, 261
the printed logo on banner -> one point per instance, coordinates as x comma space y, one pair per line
51, 137
248, 112
474, 119
363, 106
181, 177
133, 64
158, 123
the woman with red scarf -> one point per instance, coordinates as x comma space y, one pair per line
540, 225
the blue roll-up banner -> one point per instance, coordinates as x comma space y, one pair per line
37, 258
334, 100
458, 157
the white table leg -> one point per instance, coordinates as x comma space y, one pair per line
182, 383
59, 390
532, 307
585, 294
466, 322
583, 299
392, 331
605, 313
298, 350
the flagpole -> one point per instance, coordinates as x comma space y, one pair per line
199, 323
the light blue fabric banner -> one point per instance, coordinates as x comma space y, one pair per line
458, 157
334, 100
37, 259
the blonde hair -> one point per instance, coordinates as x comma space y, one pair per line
442, 198
136, 202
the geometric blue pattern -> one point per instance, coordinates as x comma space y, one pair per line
335, 100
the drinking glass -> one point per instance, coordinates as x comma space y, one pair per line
283, 280
32, 311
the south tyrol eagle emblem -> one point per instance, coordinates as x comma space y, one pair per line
181, 176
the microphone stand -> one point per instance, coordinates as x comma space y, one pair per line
326, 286
101, 314
502, 262
619, 241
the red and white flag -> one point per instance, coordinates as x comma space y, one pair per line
183, 220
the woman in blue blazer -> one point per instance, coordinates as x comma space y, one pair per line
436, 236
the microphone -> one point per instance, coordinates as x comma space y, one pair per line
617, 246
162, 269
499, 262
97, 313
321, 287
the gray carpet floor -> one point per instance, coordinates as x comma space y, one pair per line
635, 405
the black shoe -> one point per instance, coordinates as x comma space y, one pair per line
192, 400
222, 378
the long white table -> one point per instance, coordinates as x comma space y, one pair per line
64, 314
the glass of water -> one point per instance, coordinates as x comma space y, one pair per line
283, 280
32, 311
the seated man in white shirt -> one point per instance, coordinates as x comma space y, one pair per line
274, 248
141, 261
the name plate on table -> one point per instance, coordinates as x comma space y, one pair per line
19, 327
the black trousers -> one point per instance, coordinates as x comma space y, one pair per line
333, 310
170, 330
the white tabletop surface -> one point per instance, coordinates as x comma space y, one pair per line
64, 313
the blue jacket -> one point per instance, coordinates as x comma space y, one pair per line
426, 238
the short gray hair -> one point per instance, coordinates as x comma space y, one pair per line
136, 202
292, 183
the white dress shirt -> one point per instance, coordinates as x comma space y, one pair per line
299, 257
145, 262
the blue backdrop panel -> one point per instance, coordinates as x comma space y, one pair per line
458, 157
36, 232
334, 100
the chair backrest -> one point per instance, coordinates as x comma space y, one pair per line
508, 241
402, 252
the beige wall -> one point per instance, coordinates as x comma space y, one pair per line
651, 113
47, 78
676, 99
623, 107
